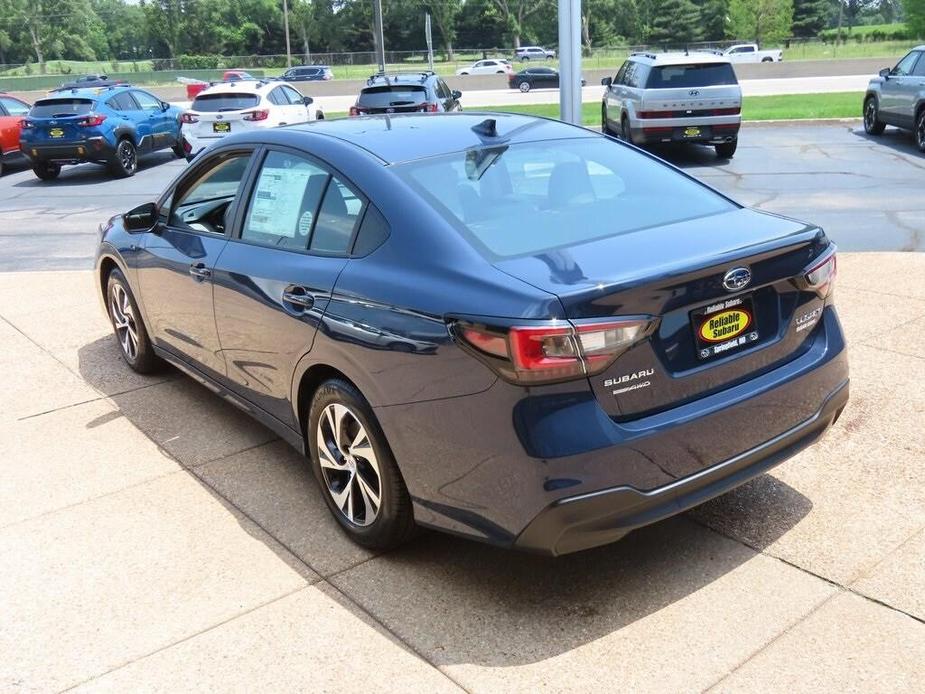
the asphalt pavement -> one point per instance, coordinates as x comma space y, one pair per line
866, 192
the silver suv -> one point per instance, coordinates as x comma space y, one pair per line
525, 53
897, 97
674, 98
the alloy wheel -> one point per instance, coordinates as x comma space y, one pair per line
127, 156
920, 132
870, 115
349, 465
123, 319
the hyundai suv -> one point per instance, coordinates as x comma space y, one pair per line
406, 92
897, 97
106, 125
674, 98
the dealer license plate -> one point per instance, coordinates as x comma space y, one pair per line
725, 326
221, 127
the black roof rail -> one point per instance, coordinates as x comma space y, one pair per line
645, 54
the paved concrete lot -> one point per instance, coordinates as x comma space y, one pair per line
866, 192
152, 538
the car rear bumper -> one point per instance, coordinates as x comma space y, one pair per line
546, 469
589, 520
89, 149
674, 131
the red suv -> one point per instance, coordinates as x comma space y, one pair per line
12, 111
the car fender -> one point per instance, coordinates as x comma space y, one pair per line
124, 130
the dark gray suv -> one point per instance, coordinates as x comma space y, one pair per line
897, 97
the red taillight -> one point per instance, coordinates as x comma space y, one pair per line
555, 350
428, 108
91, 120
259, 114
26, 124
727, 111
821, 275
355, 111
655, 114
188, 117
656, 131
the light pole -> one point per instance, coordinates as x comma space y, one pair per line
379, 38
570, 61
286, 29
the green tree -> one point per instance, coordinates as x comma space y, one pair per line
444, 14
517, 12
714, 16
915, 16
810, 16
761, 21
674, 22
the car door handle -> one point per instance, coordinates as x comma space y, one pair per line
200, 272
298, 296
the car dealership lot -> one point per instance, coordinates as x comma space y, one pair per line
153, 538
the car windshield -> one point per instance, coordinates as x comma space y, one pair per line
59, 108
529, 198
211, 103
393, 95
686, 76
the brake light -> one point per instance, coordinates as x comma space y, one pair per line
26, 124
428, 108
727, 111
91, 120
821, 276
355, 111
259, 114
555, 350
655, 114
189, 118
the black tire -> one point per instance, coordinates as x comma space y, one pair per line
524, 87
351, 475
727, 150
920, 130
872, 123
319, 115
767, 60
128, 327
604, 127
125, 163
46, 170
463, 73
626, 133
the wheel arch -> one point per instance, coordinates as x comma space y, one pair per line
308, 377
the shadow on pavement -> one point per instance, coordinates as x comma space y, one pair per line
82, 174
458, 601
901, 141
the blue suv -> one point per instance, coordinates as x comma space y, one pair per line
108, 125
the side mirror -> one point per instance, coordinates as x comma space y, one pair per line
457, 94
165, 106
142, 218
885, 73
607, 81
307, 100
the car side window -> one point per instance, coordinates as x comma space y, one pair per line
631, 76
905, 66
919, 69
206, 204
123, 102
276, 97
13, 107
294, 97
621, 74
284, 204
340, 211
147, 101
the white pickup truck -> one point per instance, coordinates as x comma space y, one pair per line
749, 53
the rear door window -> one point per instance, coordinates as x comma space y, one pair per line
340, 211
13, 107
694, 75
393, 95
60, 108
218, 102
123, 102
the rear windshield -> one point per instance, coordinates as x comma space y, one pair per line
59, 108
394, 95
685, 76
211, 103
530, 198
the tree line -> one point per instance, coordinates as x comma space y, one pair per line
41, 30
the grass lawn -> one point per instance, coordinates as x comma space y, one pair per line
783, 107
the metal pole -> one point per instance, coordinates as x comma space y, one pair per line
428, 36
378, 38
570, 61
286, 29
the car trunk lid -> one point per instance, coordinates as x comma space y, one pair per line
673, 273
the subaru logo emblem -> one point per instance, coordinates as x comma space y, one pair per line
219, 117
737, 278
694, 92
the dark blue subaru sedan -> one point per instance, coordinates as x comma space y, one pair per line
499, 326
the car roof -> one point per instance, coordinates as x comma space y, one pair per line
693, 57
92, 93
379, 80
407, 137
307, 67
243, 86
